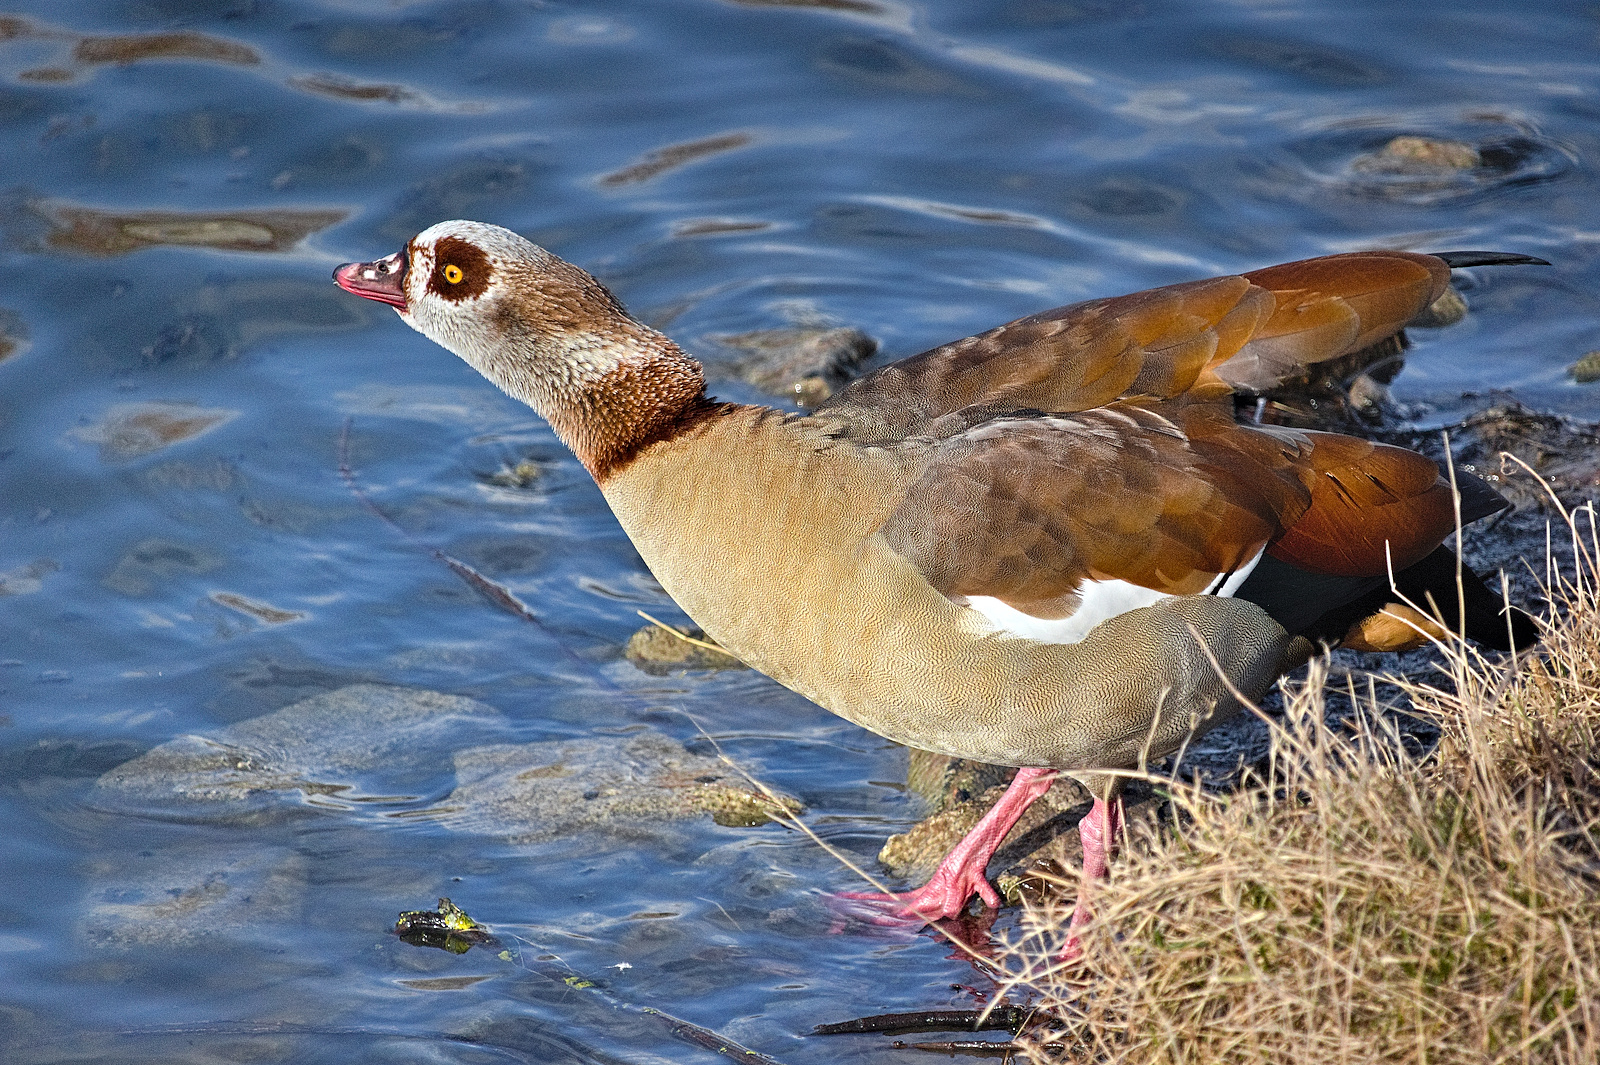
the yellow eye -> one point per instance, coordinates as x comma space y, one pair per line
452, 274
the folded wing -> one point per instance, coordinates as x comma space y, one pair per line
1194, 341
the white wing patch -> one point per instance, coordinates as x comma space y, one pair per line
1098, 601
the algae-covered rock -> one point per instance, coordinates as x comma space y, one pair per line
657, 651
627, 786
446, 928
130, 430
1587, 369
959, 792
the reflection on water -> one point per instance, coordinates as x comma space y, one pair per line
109, 233
660, 160
261, 687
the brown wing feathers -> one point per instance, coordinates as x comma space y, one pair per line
1373, 507
1140, 475
1025, 509
1327, 307
1193, 340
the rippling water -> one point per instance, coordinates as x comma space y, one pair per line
181, 388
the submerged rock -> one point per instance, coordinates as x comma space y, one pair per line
360, 740
137, 47
1448, 309
29, 578
629, 786
150, 563
805, 363
182, 897
103, 232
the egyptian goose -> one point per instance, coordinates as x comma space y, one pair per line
1027, 547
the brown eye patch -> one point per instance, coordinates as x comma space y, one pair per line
460, 269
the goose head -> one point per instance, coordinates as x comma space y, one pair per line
543, 330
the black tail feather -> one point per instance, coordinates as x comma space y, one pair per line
1431, 586
1479, 498
1457, 259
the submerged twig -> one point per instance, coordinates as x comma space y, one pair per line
498, 594
996, 1019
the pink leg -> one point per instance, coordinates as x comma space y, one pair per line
1099, 830
960, 875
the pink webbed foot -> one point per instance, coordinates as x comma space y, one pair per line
961, 874
943, 896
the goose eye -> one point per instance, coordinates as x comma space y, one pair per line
452, 274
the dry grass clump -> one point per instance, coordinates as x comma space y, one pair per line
1364, 905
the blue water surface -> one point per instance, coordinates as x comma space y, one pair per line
223, 481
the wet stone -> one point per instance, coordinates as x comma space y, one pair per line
806, 364
658, 652
620, 787
1368, 397
959, 792
361, 740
